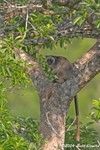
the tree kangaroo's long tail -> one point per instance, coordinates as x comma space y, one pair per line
77, 118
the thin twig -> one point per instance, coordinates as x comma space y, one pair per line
31, 25
26, 22
71, 125
7, 2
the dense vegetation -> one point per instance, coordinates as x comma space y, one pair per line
34, 30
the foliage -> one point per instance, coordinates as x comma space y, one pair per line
46, 30
10, 68
8, 140
12, 136
88, 7
88, 134
28, 129
95, 114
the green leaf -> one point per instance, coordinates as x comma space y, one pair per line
79, 20
9, 72
3, 70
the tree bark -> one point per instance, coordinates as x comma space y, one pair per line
55, 98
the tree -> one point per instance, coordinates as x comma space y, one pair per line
42, 24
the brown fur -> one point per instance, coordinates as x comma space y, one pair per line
60, 66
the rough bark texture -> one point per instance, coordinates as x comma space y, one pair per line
55, 98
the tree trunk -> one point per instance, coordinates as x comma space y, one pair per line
52, 126
53, 119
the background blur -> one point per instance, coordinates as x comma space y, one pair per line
24, 101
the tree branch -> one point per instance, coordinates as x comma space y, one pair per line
68, 3
84, 70
66, 28
89, 65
